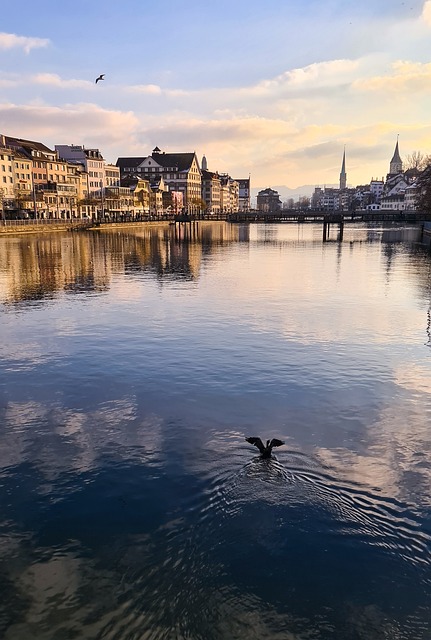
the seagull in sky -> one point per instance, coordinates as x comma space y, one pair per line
265, 451
101, 77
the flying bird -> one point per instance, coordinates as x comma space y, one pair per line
101, 77
265, 451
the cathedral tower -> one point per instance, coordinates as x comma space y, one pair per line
343, 174
396, 165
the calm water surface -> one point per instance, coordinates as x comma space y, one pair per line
133, 364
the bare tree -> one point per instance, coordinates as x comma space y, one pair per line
417, 160
423, 198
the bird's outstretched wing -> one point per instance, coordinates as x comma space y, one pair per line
257, 443
101, 77
276, 443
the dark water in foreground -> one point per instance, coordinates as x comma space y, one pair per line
133, 364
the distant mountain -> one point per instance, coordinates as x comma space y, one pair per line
306, 190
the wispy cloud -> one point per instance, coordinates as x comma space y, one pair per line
12, 41
149, 89
54, 80
156, 90
316, 75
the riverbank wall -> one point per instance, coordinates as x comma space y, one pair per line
8, 227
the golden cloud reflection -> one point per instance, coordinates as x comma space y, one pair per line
396, 456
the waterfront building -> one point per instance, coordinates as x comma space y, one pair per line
157, 189
376, 189
180, 171
139, 190
268, 201
93, 163
112, 175
394, 202
410, 196
43, 159
220, 192
54, 183
6, 180
327, 199
23, 182
211, 189
244, 194
229, 194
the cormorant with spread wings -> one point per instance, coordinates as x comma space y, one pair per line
265, 451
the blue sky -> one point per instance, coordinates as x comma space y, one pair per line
274, 89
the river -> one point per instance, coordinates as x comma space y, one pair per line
135, 361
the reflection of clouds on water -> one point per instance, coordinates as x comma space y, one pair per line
62, 599
414, 377
18, 422
24, 356
66, 326
57, 439
397, 458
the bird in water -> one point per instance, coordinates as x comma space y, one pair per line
265, 451
101, 77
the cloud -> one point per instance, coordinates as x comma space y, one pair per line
8, 80
405, 78
316, 75
426, 12
12, 41
87, 123
150, 89
52, 79
156, 90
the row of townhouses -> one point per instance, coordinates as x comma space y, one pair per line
71, 181
398, 192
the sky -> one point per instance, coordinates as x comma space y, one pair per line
275, 90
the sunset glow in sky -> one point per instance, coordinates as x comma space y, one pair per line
272, 89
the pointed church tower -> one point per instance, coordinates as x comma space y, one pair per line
343, 174
396, 165
204, 164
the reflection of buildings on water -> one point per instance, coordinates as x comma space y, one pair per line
407, 234
39, 266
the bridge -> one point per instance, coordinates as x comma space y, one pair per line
323, 217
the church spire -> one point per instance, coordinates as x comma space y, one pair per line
396, 164
343, 174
